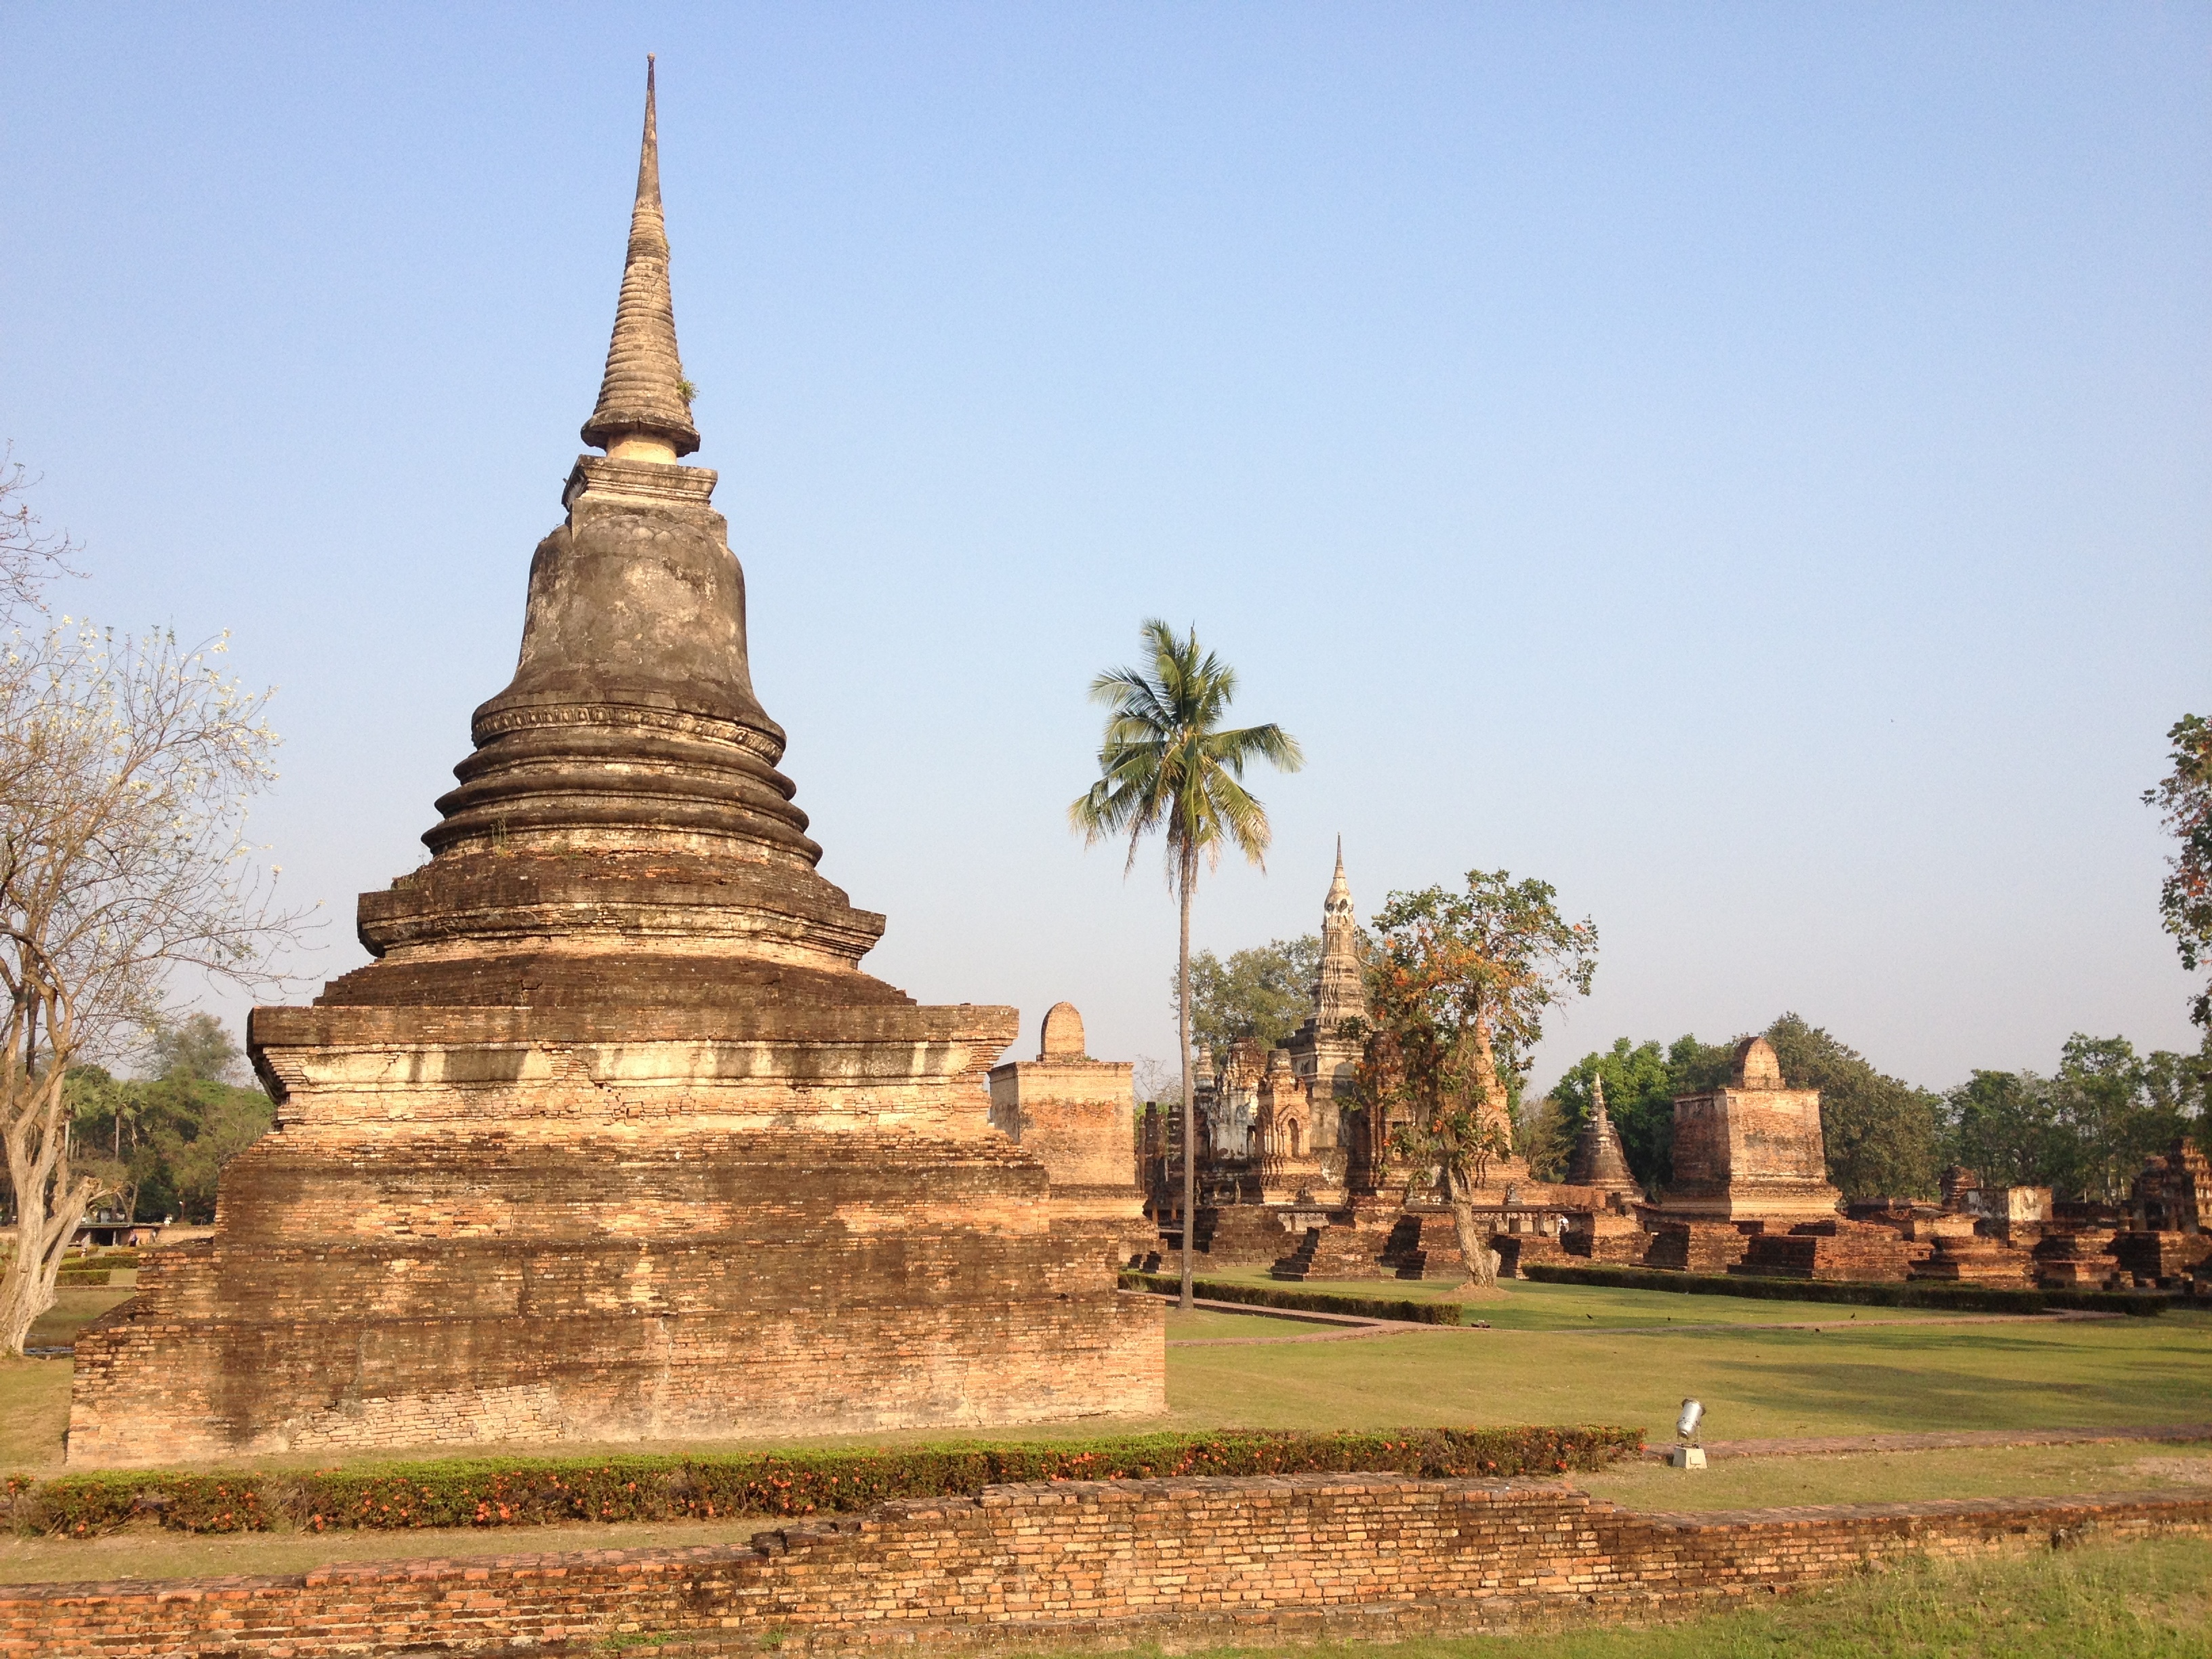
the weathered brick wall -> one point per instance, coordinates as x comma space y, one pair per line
1071, 1564
1073, 1116
1697, 1246
452, 1290
1833, 1250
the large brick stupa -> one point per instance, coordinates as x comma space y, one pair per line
614, 1140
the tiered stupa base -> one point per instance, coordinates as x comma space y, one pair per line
614, 1241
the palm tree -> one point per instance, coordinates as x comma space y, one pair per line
1165, 764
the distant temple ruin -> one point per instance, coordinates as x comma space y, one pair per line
614, 1140
1292, 1177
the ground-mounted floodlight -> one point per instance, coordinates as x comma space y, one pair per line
1690, 1455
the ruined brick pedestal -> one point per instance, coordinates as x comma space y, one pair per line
2160, 1259
1959, 1253
1834, 1249
614, 1140
1424, 1244
1518, 1252
1696, 1247
1335, 1252
2080, 1260
1605, 1235
1249, 1234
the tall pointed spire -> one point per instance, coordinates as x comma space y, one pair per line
641, 404
1337, 993
1598, 1159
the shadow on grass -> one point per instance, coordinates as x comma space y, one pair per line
1919, 1399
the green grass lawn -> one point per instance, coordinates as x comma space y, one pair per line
2136, 1602
1758, 1483
75, 1305
146, 1551
1206, 1324
1528, 1305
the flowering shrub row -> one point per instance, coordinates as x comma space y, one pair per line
537, 1491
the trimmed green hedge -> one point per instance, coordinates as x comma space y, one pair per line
537, 1491
1267, 1296
98, 1268
1965, 1298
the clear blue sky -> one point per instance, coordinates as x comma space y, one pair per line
1748, 465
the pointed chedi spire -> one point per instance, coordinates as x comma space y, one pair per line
620, 831
1598, 1159
642, 413
1338, 993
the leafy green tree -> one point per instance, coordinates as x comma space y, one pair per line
202, 1127
2084, 1131
195, 1046
2181, 1084
1541, 1135
1457, 988
1697, 1067
1167, 764
2184, 799
159, 1143
2001, 1126
2101, 1099
1261, 994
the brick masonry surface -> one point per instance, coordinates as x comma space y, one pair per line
1077, 1564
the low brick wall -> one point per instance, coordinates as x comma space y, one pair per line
1077, 1564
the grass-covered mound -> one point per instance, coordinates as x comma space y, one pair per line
510, 1492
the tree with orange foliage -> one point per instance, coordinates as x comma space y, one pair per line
1457, 985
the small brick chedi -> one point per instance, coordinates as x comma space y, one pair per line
1751, 1148
614, 1140
1074, 1114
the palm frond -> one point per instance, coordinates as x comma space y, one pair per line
1166, 766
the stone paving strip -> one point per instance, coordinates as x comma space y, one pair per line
1835, 1445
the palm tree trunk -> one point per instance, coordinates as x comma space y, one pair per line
1185, 874
1191, 1089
